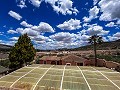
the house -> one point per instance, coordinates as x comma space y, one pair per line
73, 60
54, 60
63, 60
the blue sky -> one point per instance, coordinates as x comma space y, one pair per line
53, 24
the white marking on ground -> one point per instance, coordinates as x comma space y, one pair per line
41, 78
107, 78
85, 79
23, 76
78, 70
62, 78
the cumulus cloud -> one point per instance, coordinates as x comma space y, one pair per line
60, 6
43, 27
63, 6
12, 31
110, 10
14, 38
15, 15
94, 29
40, 38
114, 37
35, 3
111, 24
72, 24
118, 22
29, 31
117, 35
65, 37
93, 12
95, 2
33, 30
25, 24
21, 3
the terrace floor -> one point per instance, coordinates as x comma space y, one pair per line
57, 77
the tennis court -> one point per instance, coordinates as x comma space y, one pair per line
62, 77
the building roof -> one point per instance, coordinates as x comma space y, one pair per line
73, 58
52, 58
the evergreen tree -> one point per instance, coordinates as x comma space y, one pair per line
22, 53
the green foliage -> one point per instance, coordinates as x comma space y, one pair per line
5, 63
115, 58
22, 53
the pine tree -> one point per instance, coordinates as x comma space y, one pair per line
22, 53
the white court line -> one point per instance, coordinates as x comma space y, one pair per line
85, 79
107, 78
62, 78
78, 70
10, 73
23, 76
41, 78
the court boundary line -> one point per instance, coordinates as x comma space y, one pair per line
62, 78
107, 78
85, 79
23, 76
41, 77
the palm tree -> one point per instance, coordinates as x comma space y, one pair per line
95, 39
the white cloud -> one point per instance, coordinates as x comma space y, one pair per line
25, 24
33, 30
40, 38
94, 29
63, 6
93, 12
97, 30
117, 35
64, 37
43, 27
12, 31
29, 31
114, 37
14, 38
15, 15
60, 6
111, 24
35, 3
95, 2
21, 3
110, 10
118, 22
72, 24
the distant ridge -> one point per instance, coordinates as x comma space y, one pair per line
103, 46
5, 47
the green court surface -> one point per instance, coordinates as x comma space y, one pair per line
62, 77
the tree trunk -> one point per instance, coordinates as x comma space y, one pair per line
95, 53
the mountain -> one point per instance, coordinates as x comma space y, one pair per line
5, 47
103, 46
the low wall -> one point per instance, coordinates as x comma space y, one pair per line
101, 63
111, 64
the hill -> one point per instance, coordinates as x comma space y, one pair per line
103, 46
5, 47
